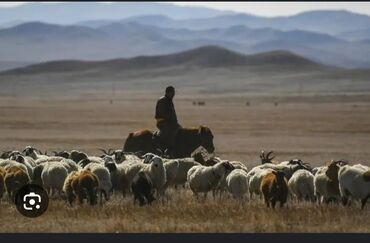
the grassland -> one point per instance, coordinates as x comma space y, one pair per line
314, 129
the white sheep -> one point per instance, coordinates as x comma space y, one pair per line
53, 176
172, 168
327, 189
301, 185
204, 179
118, 177
105, 183
237, 183
157, 173
354, 183
255, 177
182, 173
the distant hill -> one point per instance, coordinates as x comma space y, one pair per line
43, 32
204, 57
356, 35
323, 21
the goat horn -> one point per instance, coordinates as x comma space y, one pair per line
103, 150
268, 154
110, 151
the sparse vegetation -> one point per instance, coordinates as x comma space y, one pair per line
184, 214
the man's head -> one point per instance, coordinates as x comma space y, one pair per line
170, 92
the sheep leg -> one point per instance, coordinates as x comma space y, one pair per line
273, 203
345, 201
267, 201
282, 204
205, 196
196, 196
101, 197
363, 202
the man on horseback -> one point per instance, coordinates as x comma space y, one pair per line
166, 117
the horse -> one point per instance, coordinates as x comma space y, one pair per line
186, 141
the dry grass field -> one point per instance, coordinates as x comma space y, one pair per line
315, 130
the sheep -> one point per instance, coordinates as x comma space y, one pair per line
94, 160
172, 168
237, 183
105, 184
182, 173
157, 173
204, 179
62, 154
16, 177
80, 185
11, 163
142, 188
326, 183
117, 155
26, 162
70, 165
274, 187
48, 159
239, 165
354, 183
255, 177
34, 153
301, 185
118, 177
2, 185
53, 176
77, 156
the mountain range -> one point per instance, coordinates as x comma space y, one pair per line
35, 42
39, 32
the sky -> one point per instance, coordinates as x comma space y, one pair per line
269, 9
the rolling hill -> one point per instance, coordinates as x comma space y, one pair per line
203, 57
205, 70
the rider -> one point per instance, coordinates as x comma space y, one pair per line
165, 115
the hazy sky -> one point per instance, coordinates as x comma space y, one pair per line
269, 8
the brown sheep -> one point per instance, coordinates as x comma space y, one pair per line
332, 174
15, 178
2, 186
80, 185
274, 187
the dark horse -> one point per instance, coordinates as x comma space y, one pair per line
186, 141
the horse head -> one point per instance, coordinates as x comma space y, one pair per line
206, 139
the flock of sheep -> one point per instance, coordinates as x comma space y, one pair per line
77, 176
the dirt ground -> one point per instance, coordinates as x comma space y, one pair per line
313, 130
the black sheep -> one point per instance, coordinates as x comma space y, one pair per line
142, 188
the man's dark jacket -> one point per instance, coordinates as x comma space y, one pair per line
165, 111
